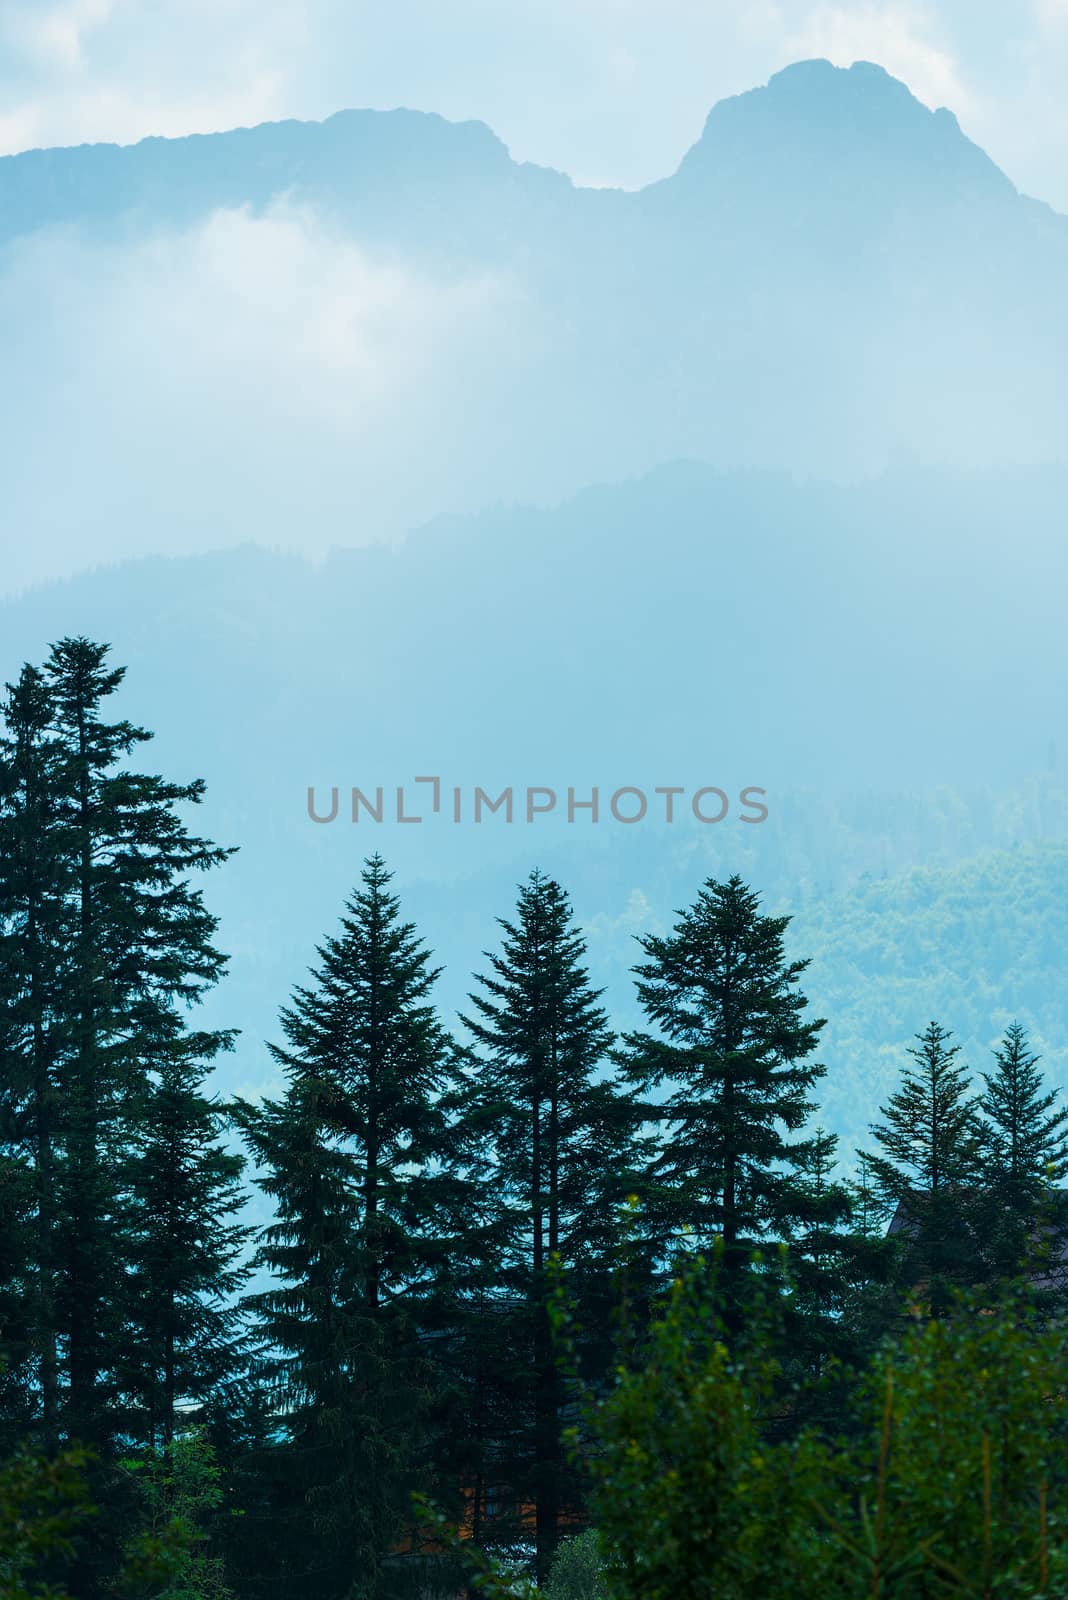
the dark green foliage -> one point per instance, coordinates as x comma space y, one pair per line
481, 1344
1024, 1156
829, 1264
183, 1336
731, 1059
819, 1247
36, 928
561, 1161
950, 1478
239, 1424
558, 1123
683, 1498
972, 1489
179, 1493
18, 1301
44, 1509
577, 1568
426, 1204
929, 1129
1026, 1138
355, 1157
927, 1169
314, 1333
872, 1304
102, 945
140, 947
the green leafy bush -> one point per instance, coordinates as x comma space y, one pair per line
170, 1557
44, 1504
576, 1572
949, 1476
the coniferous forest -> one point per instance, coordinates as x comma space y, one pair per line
538, 1307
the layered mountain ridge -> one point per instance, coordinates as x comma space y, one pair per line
351, 326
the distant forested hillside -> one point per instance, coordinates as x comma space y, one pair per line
975, 946
886, 659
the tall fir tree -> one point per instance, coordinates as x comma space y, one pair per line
140, 951
563, 1160
36, 881
356, 1157
1024, 1156
732, 1064
926, 1169
102, 943
103, 946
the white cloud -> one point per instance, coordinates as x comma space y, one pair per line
612, 91
300, 305
905, 40
123, 116
54, 35
251, 378
103, 70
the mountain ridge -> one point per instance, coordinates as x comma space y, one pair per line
813, 107
806, 100
351, 326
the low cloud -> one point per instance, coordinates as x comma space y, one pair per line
250, 378
85, 71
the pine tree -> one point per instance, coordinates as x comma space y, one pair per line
870, 1214
1024, 1153
36, 877
140, 949
928, 1168
355, 1155
563, 1161
103, 945
733, 1053
183, 1337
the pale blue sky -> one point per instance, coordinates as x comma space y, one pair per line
611, 91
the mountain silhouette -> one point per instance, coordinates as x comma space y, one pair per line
413, 171
834, 281
842, 134
858, 130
